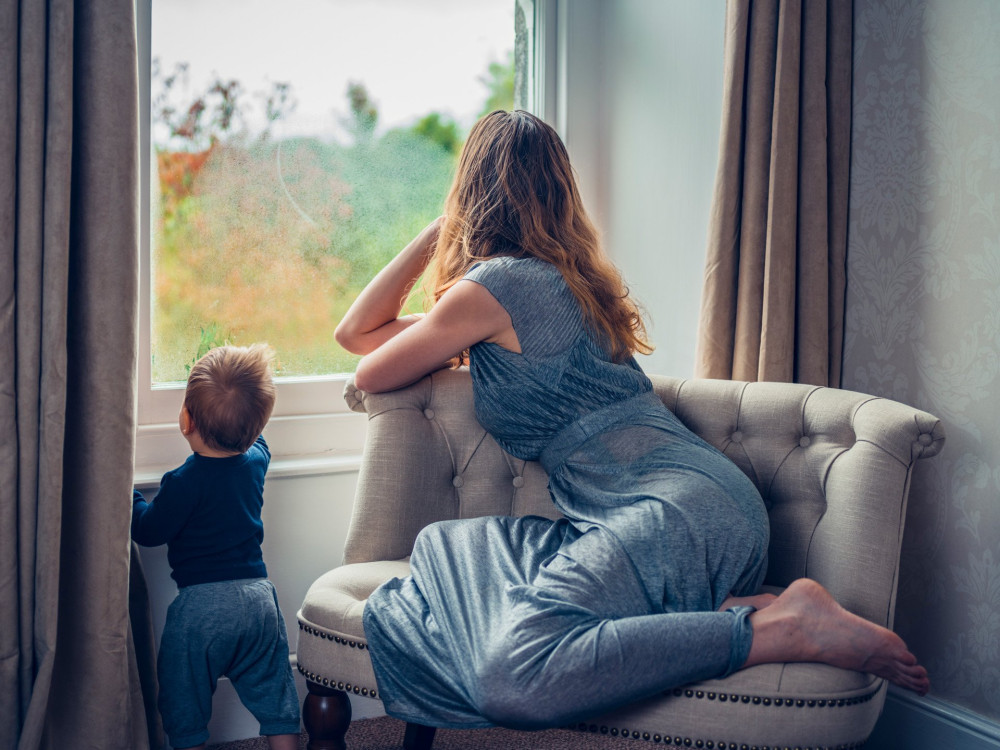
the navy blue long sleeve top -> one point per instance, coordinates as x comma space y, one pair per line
208, 513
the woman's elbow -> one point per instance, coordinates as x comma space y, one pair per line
366, 378
349, 338
361, 381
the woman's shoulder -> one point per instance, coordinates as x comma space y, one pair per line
518, 282
535, 295
511, 268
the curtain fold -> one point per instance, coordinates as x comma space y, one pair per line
775, 273
68, 314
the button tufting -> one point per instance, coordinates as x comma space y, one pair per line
429, 413
925, 439
804, 441
518, 481
457, 482
737, 437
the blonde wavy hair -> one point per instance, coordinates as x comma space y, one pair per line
514, 194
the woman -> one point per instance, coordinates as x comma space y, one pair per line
649, 580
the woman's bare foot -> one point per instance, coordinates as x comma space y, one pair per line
757, 601
805, 624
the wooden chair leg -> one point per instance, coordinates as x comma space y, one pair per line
326, 715
418, 737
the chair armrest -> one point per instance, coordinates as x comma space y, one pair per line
427, 459
405, 481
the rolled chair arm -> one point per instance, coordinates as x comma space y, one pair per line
834, 469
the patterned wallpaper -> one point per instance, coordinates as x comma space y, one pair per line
923, 309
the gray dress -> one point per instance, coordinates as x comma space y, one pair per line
528, 622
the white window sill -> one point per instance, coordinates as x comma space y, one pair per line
300, 446
281, 468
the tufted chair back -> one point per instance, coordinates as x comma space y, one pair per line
833, 468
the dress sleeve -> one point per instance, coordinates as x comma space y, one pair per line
545, 315
496, 275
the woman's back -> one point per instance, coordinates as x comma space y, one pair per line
524, 399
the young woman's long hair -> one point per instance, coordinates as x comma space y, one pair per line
514, 194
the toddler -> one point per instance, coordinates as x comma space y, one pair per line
225, 619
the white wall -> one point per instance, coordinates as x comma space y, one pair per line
663, 82
641, 114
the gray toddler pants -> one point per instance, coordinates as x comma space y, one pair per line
231, 628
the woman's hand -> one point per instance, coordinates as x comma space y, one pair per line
374, 318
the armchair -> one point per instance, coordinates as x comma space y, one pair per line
834, 469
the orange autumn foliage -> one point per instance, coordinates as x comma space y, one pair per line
234, 252
177, 171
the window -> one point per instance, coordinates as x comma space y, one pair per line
290, 154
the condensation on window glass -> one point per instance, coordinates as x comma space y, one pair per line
296, 148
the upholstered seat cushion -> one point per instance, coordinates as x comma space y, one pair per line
331, 633
768, 700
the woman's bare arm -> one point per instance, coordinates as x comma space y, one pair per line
374, 318
465, 315
401, 350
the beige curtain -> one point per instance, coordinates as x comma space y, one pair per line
68, 285
773, 300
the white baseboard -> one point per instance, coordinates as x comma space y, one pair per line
912, 723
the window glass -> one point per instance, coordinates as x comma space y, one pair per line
296, 147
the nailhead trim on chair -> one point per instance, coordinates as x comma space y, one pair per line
757, 700
326, 681
733, 698
345, 686
335, 638
707, 744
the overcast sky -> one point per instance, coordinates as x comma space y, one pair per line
414, 56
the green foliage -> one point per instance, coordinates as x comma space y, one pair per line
397, 188
364, 114
211, 337
278, 102
499, 82
443, 131
216, 114
272, 241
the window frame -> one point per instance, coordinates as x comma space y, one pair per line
312, 430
